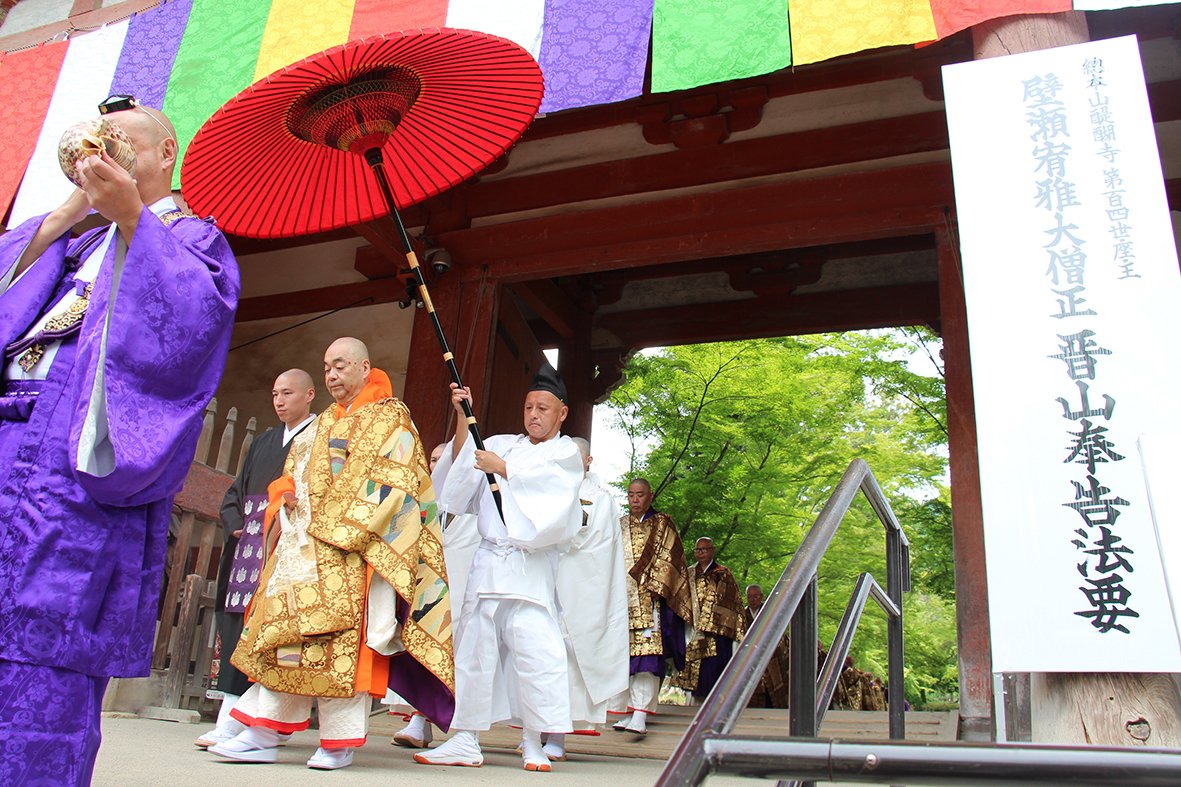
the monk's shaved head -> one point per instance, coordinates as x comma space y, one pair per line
296, 378
292, 396
436, 454
151, 123
348, 348
704, 550
145, 123
346, 369
154, 139
584, 449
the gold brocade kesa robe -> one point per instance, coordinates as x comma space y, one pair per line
656, 569
772, 688
364, 500
717, 611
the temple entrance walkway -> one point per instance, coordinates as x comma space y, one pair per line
145, 752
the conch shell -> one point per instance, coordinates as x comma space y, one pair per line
89, 138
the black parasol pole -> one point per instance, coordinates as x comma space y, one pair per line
376, 163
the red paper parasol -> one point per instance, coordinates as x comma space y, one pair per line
282, 158
358, 131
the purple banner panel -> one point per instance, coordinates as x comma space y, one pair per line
145, 63
594, 52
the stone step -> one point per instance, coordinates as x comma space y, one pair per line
668, 725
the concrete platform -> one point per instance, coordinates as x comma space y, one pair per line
667, 727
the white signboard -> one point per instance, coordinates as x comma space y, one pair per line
1162, 469
1074, 305
1104, 5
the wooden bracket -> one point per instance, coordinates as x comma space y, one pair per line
703, 120
775, 276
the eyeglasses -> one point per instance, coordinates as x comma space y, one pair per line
120, 103
117, 103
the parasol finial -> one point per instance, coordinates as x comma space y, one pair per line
357, 114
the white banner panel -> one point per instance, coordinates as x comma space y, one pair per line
83, 83
1074, 300
520, 21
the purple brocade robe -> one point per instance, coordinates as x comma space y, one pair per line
81, 554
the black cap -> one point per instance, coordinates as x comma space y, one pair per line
547, 379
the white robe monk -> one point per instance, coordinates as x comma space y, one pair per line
510, 655
592, 595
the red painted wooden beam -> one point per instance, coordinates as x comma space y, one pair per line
551, 304
846, 310
323, 299
884, 203
732, 161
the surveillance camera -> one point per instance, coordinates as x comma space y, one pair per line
439, 260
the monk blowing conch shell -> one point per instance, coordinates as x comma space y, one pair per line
90, 138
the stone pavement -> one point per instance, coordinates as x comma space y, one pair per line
139, 751
145, 752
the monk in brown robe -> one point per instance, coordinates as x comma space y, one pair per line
717, 621
772, 689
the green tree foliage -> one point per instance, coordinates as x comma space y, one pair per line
745, 441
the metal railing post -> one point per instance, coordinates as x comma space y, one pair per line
894, 636
801, 689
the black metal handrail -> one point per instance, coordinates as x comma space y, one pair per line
958, 764
865, 589
794, 598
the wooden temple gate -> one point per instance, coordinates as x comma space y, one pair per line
705, 215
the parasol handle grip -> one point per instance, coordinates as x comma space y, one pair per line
470, 417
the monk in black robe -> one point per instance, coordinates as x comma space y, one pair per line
241, 520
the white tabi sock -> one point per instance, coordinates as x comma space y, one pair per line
638, 722
533, 756
331, 759
417, 726
463, 748
555, 746
224, 720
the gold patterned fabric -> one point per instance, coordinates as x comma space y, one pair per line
656, 569
364, 481
717, 602
772, 689
68, 319
717, 612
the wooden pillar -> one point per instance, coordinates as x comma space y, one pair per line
967, 518
577, 369
1099, 708
1073, 708
1011, 35
995, 38
467, 311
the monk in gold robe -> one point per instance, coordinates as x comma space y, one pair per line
354, 593
717, 622
658, 603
